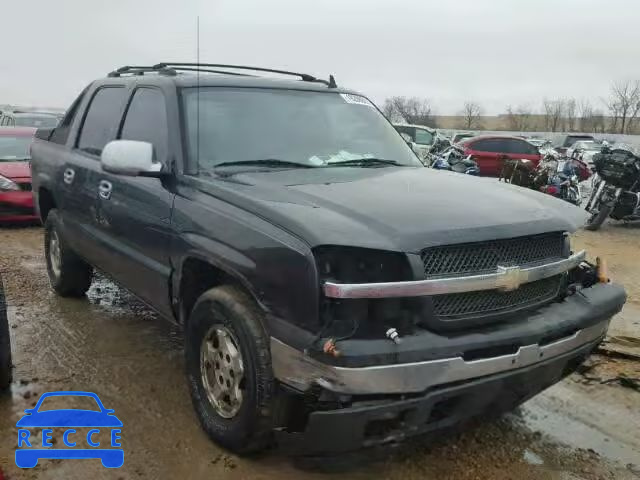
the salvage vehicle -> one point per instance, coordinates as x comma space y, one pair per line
584, 150
491, 151
29, 119
421, 137
5, 343
460, 136
16, 201
335, 294
616, 189
568, 141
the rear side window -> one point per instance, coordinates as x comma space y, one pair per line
146, 120
102, 119
494, 145
521, 147
61, 133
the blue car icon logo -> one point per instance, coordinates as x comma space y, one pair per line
29, 451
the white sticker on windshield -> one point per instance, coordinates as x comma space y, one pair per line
357, 99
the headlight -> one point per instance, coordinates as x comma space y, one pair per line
364, 318
7, 185
361, 265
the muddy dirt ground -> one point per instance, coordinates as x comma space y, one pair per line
587, 427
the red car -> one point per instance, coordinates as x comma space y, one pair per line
490, 151
16, 202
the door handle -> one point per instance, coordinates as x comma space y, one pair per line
68, 176
104, 189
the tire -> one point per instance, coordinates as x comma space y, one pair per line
69, 275
234, 317
5, 343
594, 190
595, 221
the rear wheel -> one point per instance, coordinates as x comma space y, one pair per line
228, 364
5, 343
69, 275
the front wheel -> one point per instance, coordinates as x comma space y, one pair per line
228, 364
595, 221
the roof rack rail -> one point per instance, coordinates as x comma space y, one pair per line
171, 69
198, 67
140, 70
208, 70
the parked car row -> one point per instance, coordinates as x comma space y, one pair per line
17, 128
16, 201
490, 151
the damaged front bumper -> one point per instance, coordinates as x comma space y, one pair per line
371, 424
490, 369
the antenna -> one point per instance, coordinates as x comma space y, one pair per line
198, 92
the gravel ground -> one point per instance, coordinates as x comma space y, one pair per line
110, 344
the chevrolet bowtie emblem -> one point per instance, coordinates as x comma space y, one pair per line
510, 278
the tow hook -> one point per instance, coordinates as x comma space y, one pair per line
393, 335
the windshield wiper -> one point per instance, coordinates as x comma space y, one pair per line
364, 162
265, 162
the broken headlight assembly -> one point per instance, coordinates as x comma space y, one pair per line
586, 274
361, 318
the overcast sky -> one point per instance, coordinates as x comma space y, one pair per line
497, 52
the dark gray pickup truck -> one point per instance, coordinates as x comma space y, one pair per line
335, 294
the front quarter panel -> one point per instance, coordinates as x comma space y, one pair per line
276, 267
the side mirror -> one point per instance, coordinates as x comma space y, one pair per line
129, 157
44, 133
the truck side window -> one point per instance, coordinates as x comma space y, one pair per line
61, 132
102, 119
146, 120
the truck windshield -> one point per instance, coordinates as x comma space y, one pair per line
312, 129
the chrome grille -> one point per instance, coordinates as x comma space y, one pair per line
484, 257
488, 302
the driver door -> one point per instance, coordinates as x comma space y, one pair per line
135, 212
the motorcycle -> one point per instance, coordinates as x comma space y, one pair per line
453, 159
561, 178
616, 190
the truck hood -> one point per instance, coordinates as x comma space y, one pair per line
15, 170
395, 208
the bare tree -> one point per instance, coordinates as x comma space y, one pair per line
624, 104
471, 115
586, 116
553, 114
519, 119
570, 114
598, 122
413, 109
388, 110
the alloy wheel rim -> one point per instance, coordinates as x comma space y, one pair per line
54, 253
222, 371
